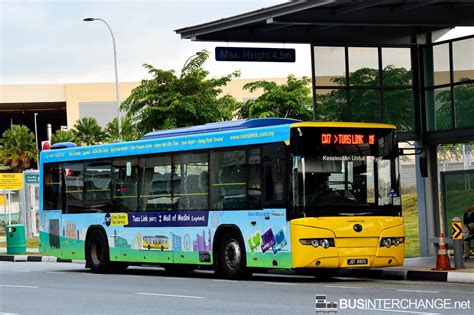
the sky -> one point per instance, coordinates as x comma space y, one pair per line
46, 41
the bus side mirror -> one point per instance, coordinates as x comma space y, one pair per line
423, 162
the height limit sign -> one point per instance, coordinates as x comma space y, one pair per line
255, 54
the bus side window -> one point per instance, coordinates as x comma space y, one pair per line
98, 185
192, 192
228, 180
74, 180
52, 187
274, 174
125, 185
156, 183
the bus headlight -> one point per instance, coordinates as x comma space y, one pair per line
317, 242
324, 243
389, 241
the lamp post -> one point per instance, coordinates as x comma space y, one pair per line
36, 137
116, 73
186, 62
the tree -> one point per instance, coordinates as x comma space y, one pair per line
364, 103
63, 136
463, 102
290, 100
128, 132
18, 148
88, 132
168, 101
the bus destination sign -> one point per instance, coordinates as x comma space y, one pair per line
255, 54
347, 139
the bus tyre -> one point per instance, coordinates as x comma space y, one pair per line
97, 252
232, 259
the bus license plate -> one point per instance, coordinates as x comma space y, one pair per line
358, 261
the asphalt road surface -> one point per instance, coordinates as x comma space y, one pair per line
68, 288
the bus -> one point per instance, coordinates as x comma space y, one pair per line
237, 197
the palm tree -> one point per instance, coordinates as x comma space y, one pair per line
88, 132
18, 148
63, 136
128, 132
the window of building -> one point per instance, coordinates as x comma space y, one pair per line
361, 84
449, 84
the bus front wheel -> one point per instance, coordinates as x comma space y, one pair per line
97, 251
232, 262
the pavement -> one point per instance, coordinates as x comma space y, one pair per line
415, 269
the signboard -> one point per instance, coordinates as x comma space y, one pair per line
32, 178
255, 54
457, 231
347, 139
11, 181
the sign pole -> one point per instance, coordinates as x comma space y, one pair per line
5, 209
9, 208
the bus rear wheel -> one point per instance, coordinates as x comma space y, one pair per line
97, 252
232, 259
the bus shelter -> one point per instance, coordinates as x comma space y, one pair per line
378, 61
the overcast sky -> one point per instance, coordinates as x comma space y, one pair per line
47, 42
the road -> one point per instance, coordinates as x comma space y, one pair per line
68, 288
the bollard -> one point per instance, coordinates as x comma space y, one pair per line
456, 236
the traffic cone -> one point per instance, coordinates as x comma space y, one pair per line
442, 258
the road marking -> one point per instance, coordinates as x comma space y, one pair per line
418, 291
175, 278
342, 287
397, 311
18, 286
281, 283
224, 280
3, 313
172, 295
133, 276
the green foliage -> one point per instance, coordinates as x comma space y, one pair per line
290, 100
18, 148
88, 132
63, 136
464, 103
170, 101
410, 218
128, 132
364, 104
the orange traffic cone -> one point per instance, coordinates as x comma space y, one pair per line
442, 258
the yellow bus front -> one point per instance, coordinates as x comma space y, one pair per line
346, 204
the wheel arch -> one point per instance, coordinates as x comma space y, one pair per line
220, 231
87, 239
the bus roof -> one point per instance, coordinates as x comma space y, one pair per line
220, 126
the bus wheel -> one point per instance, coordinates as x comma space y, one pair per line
232, 262
97, 251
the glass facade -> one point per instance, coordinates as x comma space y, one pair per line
449, 84
366, 84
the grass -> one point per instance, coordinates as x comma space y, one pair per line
32, 242
410, 216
